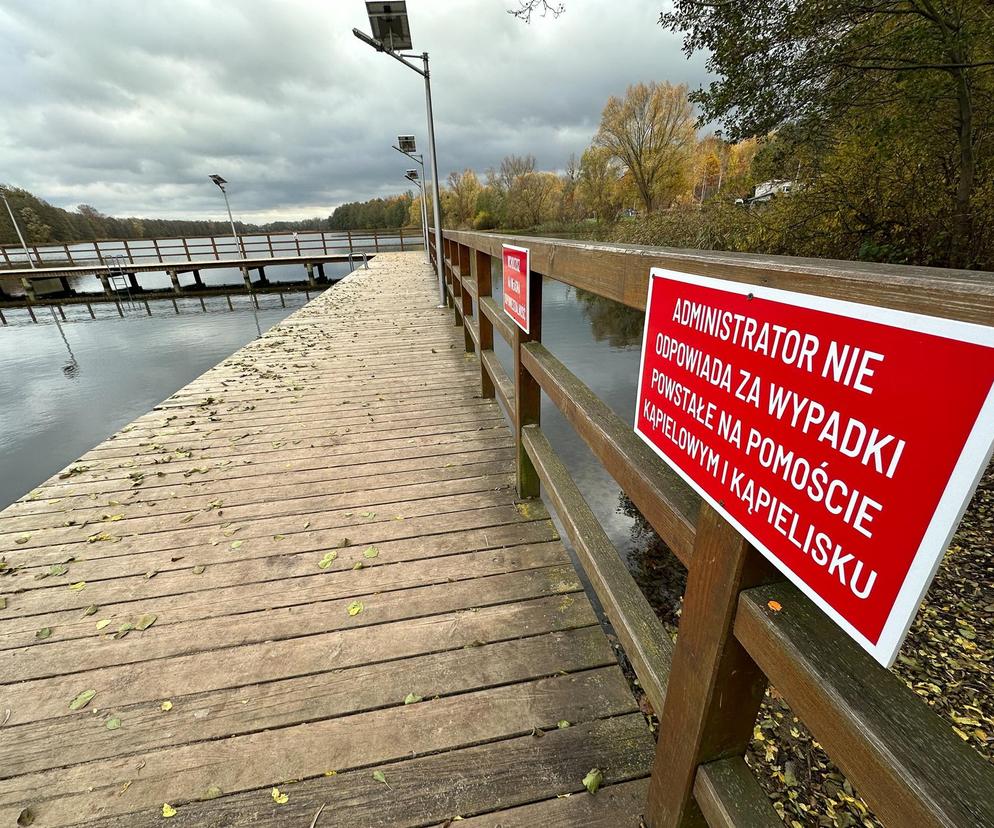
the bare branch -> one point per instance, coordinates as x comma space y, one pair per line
529, 7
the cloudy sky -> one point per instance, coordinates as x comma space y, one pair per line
128, 106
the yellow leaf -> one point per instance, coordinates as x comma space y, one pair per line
166, 705
77, 586
355, 607
168, 810
279, 798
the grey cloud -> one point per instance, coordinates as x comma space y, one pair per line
128, 106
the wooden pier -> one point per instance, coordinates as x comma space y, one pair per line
114, 261
303, 591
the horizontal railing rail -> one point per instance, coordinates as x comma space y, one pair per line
904, 759
176, 249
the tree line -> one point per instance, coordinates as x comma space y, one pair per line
42, 222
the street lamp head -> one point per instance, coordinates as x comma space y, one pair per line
411, 174
390, 25
365, 38
407, 144
219, 181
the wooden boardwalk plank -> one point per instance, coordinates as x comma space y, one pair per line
353, 432
431, 790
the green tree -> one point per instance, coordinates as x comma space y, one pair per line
813, 62
597, 187
35, 230
460, 198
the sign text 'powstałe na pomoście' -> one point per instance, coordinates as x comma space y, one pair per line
516, 261
843, 440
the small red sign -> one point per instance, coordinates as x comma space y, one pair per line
516, 278
842, 440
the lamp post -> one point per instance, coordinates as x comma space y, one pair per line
220, 185
17, 228
412, 176
72, 367
408, 147
391, 31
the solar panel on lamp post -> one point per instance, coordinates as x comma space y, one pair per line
392, 32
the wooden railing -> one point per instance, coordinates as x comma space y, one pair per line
904, 759
252, 245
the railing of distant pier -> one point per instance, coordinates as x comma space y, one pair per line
252, 245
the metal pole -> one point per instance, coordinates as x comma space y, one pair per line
434, 196
424, 218
234, 232
18, 229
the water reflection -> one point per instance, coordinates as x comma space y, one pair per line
71, 368
618, 325
599, 340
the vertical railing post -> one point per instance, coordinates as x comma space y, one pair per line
527, 392
447, 272
127, 250
69, 254
214, 245
715, 688
376, 240
186, 249
100, 256
269, 241
324, 243
6, 256
349, 234
402, 239
296, 240
481, 272
462, 252
453, 255
158, 253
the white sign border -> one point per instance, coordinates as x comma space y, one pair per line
965, 476
528, 285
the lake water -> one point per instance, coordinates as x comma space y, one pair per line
64, 388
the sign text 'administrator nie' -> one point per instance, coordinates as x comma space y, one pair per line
842, 440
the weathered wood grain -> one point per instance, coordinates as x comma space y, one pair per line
431, 790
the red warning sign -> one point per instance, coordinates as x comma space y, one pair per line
843, 440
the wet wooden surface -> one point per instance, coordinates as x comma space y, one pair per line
322, 527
